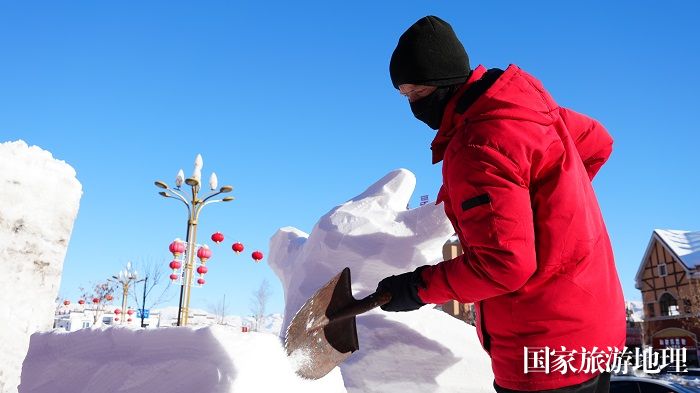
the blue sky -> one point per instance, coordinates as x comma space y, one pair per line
291, 103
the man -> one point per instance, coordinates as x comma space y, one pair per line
517, 172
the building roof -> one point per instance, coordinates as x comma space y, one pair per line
685, 244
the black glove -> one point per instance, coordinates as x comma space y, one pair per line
404, 291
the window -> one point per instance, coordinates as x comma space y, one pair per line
674, 310
86, 324
650, 310
668, 305
688, 306
662, 270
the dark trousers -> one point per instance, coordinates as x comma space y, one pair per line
598, 384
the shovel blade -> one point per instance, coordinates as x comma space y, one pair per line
316, 345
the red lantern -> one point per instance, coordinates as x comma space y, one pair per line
81, 302
128, 320
130, 312
117, 311
217, 238
116, 319
175, 264
173, 277
237, 247
66, 302
257, 256
204, 253
200, 281
109, 298
202, 270
95, 300
177, 247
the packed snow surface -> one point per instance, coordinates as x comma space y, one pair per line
40, 197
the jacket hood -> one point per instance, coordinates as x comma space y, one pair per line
515, 95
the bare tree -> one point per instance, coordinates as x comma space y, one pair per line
153, 277
220, 309
258, 303
99, 296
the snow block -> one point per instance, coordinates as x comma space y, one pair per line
215, 359
40, 197
376, 236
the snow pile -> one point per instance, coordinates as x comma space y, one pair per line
376, 236
214, 359
40, 198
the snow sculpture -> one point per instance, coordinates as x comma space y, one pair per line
375, 235
40, 197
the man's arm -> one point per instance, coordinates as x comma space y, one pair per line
492, 206
593, 142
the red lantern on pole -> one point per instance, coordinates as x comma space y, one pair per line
117, 311
257, 256
237, 247
109, 298
130, 312
81, 302
95, 300
204, 253
66, 302
177, 247
217, 238
175, 264
174, 277
202, 270
201, 281
128, 320
116, 319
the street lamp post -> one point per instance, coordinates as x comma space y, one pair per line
125, 278
194, 206
143, 303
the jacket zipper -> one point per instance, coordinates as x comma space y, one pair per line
484, 334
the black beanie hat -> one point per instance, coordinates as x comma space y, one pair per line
429, 53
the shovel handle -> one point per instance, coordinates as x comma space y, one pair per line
363, 305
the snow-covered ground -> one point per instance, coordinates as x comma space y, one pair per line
40, 197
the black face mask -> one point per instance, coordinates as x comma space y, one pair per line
430, 108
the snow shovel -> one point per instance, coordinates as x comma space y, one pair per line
323, 332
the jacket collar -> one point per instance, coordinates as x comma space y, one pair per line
447, 127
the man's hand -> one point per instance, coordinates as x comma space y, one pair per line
404, 291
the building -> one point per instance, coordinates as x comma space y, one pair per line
451, 249
76, 317
669, 279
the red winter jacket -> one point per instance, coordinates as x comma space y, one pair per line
537, 259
